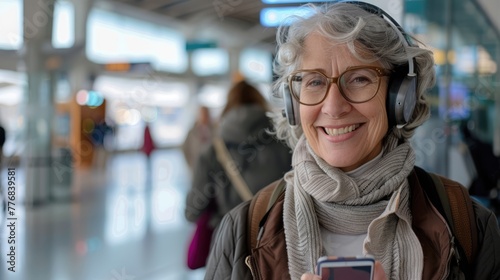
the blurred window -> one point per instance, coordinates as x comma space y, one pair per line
213, 95
206, 62
133, 102
113, 37
11, 24
64, 25
256, 65
272, 17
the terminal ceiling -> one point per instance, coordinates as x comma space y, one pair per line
232, 23
236, 23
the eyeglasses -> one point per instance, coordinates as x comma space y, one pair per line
357, 84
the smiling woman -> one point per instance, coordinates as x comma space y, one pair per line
336, 112
354, 87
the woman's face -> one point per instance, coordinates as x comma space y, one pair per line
323, 123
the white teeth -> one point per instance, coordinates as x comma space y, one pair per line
339, 131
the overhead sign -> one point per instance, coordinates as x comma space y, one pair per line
127, 66
194, 45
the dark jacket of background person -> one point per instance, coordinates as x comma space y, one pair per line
486, 163
2, 140
260, 158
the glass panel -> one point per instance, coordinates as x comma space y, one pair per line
256, 65
11, 24
116, 38
64, 25
131, 103
206, 62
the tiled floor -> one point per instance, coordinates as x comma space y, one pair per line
125, 222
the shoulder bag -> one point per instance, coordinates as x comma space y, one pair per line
199, 247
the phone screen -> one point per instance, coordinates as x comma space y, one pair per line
346, 268
351, 273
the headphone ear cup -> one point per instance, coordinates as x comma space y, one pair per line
401, 99
291, 107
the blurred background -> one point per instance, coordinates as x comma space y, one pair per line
80, 81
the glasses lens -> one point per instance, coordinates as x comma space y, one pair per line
309, 86
359, 85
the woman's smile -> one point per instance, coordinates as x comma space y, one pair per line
341, 130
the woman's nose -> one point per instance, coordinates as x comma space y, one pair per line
335, 105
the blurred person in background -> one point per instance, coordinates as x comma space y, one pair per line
2, 142
199, 137
148, 144
259, 157
148, 147
100, 135
486, 183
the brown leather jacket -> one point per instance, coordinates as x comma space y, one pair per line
231, 259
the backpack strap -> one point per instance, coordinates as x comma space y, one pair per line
452, 200
462, 213
260, 205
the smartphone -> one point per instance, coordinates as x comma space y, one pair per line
346, 268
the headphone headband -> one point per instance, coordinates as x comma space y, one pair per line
393, 23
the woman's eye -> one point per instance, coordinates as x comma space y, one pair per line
315, 83
360, 80
312, 81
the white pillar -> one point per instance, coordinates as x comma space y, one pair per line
38, 101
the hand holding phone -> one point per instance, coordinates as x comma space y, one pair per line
346, 268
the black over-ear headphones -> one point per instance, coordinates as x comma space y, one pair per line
291, 111
401, 96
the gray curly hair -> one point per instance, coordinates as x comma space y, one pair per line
362, 32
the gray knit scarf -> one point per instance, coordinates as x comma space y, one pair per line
377, 203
